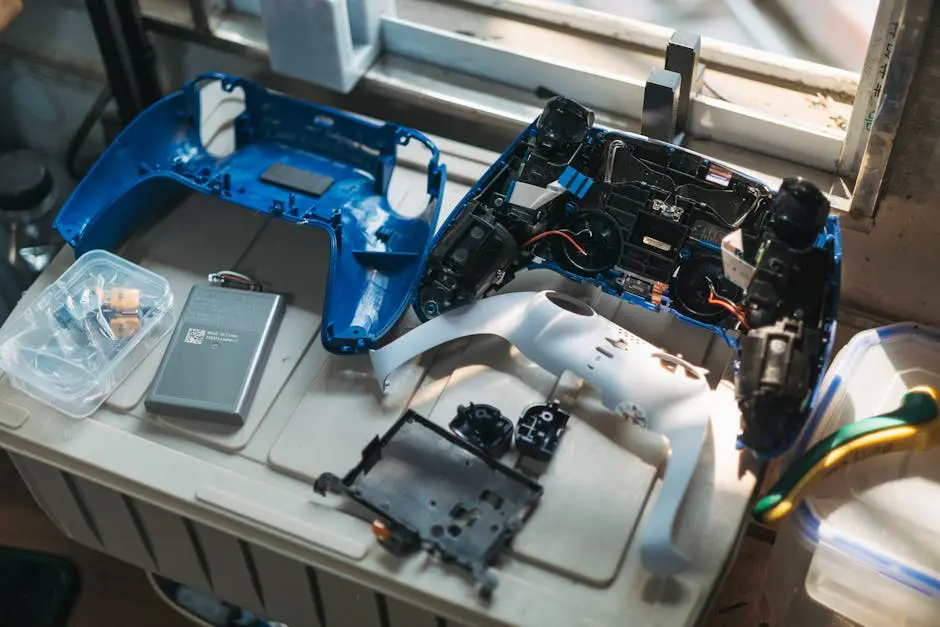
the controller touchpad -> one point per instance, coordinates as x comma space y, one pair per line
298, 180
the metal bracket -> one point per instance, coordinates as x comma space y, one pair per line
667, 101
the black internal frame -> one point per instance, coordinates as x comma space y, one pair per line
665, 210
429, 488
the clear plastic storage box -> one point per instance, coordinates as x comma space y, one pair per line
86, 332
864, 546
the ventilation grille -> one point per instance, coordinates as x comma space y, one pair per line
194, 554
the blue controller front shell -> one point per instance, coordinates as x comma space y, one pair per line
375, 253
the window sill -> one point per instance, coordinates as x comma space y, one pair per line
475, 111
798, 104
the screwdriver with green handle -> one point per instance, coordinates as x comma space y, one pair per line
913, 426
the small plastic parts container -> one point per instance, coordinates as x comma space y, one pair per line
86, 332
864, 546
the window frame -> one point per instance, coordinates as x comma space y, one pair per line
858, 158
735, 57
710, 118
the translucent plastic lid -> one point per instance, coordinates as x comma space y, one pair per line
86, 332
879, 517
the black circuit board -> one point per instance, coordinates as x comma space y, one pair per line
665, 211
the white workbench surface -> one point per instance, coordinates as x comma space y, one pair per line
575, 563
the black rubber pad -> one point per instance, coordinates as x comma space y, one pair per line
297, 180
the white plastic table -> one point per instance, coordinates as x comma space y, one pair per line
233, 511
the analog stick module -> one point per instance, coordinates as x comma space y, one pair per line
600, 238
696, 280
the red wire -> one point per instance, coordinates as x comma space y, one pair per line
570, 239
729, 307
232, 277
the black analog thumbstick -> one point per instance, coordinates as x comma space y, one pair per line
799, 212
562, 126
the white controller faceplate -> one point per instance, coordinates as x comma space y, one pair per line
636, 380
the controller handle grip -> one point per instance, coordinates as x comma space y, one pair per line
660, 550
495, 316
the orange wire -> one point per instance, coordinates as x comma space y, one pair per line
729, 307
570, 239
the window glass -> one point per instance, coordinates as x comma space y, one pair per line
831, 32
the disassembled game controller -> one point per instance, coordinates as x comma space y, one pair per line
290, 159
656, 390
666, 229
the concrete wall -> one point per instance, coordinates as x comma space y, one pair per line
895, 269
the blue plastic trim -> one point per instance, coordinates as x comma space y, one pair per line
819, 410
375, 254
807, 524
805, 519
890, 568
845, 365
575, 182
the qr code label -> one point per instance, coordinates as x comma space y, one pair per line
635, 414
195, 336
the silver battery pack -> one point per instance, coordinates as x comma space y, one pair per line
216, 356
